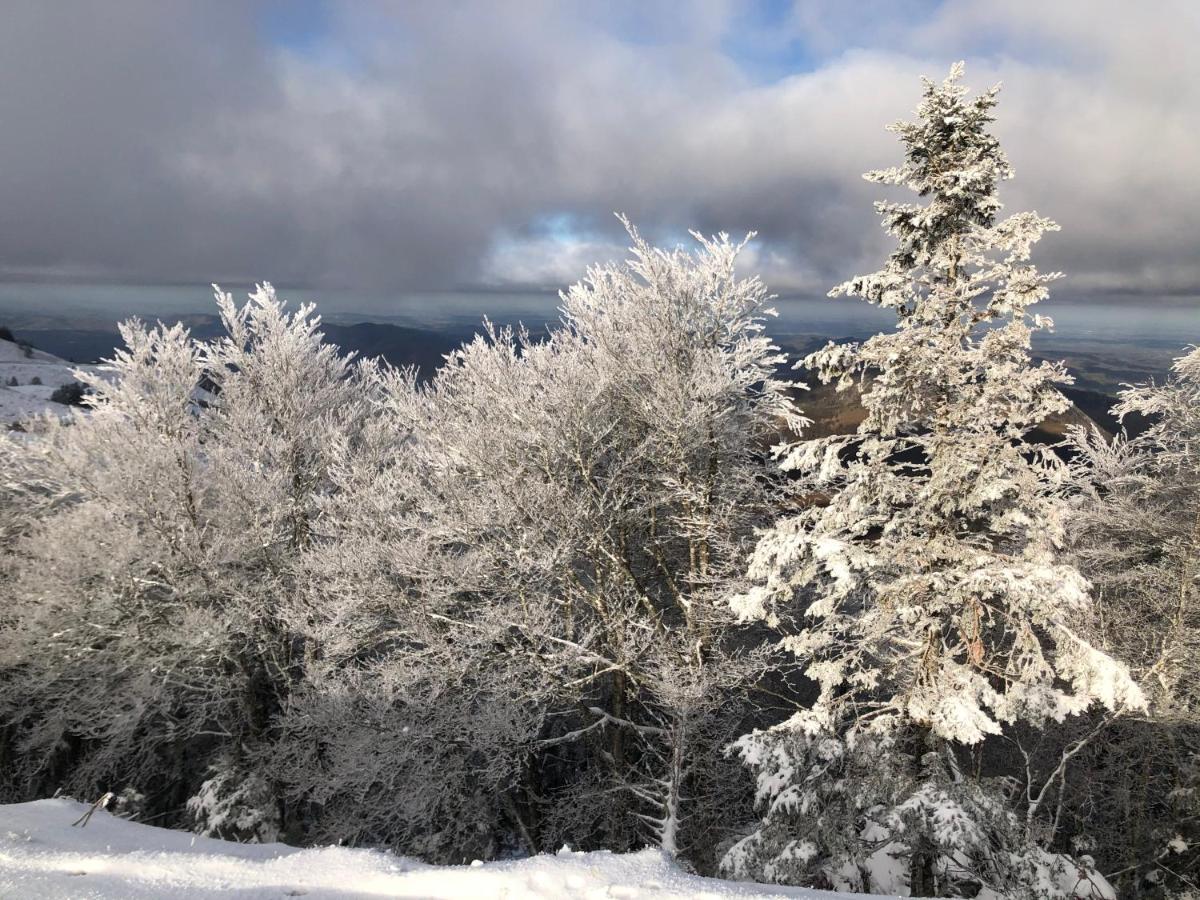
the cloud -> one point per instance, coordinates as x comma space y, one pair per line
416, 146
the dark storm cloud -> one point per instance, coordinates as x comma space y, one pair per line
96, 101
414, 145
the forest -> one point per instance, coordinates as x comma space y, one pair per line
595, 587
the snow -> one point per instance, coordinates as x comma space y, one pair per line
16, 406
28, 400
43, 856
11, 354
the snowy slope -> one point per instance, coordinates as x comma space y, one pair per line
27, 400
42, 856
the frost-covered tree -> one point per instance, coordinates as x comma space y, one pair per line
28, 488
408, 731
1136, 534
29, 492
659, 478
104, 636
282, 404
923, 572
556, 530
143, 643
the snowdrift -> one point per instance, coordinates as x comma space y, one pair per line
43, 856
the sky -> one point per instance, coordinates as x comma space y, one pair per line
413, 146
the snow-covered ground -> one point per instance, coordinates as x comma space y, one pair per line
27, 400
43, 856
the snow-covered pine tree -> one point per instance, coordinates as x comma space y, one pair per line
924, 568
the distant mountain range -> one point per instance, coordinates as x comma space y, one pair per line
399, 345
61, 344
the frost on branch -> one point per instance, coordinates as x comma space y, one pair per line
1136, 532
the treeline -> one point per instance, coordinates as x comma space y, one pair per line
567, 592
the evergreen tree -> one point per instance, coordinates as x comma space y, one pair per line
925, 564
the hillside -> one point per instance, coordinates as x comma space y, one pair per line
841, 412
1098, 379
37, 375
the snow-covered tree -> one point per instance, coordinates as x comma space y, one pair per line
1136, 534
282, 404
556, 529
923, 572
142, 637
857, 811
28, 489
654, 474
106, 632
408, 731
